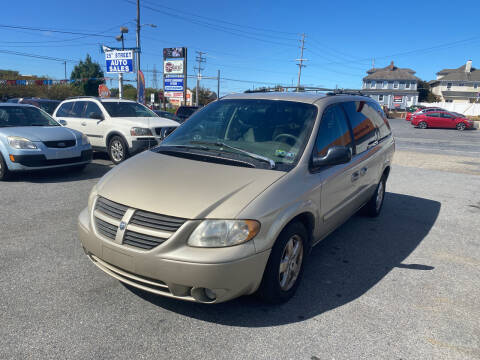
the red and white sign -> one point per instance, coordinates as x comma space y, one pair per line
397, 98
103, 91
173, 94
173, 67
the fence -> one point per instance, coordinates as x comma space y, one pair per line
462, 108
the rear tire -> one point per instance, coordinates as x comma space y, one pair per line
117, 149
285, 265
422, 125
375, 204
461, 126
4, 173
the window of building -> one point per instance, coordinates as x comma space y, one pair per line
395, 84
373, 85
333, 130
475, 86
407, 85
461, 84
449, 86
380, 97
364, 131
385, 84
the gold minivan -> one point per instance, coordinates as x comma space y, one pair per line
233, 200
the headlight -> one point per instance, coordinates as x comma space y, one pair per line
20, 143
136, 131
85, 140
221, 233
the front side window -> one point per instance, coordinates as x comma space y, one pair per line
333, 130
364, 130
127, 109
11, 116
92, 108
277, 130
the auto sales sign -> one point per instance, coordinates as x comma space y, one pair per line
119, 61
173, 67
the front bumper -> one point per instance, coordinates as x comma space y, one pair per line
170, 269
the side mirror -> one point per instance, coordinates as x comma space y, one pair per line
96, 116
334, 156
63, 122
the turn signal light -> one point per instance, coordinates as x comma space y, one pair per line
12, 158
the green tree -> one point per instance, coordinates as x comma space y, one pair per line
425, 93
87, 69
205, 95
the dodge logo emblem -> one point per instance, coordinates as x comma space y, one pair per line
122, 225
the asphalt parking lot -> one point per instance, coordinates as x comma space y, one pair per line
401, 286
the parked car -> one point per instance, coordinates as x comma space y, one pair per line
45, 104
442, 119
184, 112
167, 115
414, 108
30, 139
422, 111
232, 201
119, 127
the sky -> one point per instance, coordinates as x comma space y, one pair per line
252, 42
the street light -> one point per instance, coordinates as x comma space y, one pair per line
121, 37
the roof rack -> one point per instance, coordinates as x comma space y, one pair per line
346, 92
328, 91
82, 97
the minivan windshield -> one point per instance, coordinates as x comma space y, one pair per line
11, 116
127, 109
262, 130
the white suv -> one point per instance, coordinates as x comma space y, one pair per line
119, 127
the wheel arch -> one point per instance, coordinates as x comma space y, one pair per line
112, 134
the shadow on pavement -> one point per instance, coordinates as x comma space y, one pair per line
340, 269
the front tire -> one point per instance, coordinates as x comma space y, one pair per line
4, 173
375, 204
285, 265
422, 125
461, 126
117, 149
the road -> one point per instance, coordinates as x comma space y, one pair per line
401, 286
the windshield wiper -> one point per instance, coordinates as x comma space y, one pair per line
245, 152
188, 146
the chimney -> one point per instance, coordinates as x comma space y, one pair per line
391, 65
468, 66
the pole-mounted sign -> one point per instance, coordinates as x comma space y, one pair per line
119, 61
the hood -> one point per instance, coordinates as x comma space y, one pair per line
41, 133
150, 122
184, 188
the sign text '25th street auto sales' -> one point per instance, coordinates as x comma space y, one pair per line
119, 61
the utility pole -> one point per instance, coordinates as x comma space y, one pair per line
154, 77
301, 60
121, 37
138, 50
200, 60
65, 69
218, 84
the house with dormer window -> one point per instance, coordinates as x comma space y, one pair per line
457, 85
392, 86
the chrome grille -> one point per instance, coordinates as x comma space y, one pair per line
106, 229
111, 208
60, 144
156, 221
143, 241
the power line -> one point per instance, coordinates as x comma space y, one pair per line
51, 30
36, 56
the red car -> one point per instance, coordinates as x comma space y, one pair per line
441, 119
421, 111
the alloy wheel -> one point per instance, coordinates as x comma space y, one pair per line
291, 262
117, 151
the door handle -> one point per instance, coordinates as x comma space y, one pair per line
363, 171
355, 176
372, 144
84, 123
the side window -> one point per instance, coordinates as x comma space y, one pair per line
364, 130
92, 108
432, 114
448, 116
333, 130
65, 109
376, 113
78, 109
